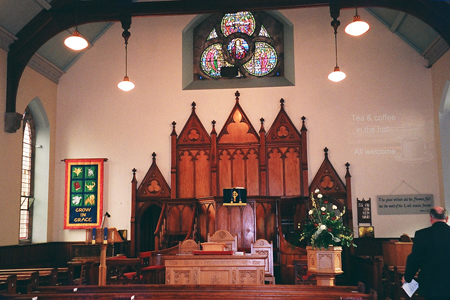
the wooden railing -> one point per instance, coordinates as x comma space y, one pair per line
138, 292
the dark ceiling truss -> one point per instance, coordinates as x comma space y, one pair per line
61, 16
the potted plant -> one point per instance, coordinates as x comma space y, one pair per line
325, 234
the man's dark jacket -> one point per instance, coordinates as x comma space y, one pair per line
431, 255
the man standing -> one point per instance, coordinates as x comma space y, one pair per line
431, 255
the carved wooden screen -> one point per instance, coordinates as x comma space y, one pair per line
238, 158
286, 157
193, 151
329, 183
269, 166
266, 165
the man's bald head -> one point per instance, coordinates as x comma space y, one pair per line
438, 214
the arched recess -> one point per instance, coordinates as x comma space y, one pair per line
41, 174
187, 60
444, 125
148, 221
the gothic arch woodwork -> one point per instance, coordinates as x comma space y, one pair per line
272, 166
329, 183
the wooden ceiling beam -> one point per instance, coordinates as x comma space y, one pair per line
61, 16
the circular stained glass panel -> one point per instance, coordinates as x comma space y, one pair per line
242, 21
237, 48
212, 60
264, 60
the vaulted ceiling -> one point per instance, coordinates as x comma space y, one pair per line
33, 31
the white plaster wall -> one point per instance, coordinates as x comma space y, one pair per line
385, 76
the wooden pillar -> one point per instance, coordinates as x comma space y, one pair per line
213, 158
133, 245
102, 267
348, 204
262, 160
304, 163
173, 169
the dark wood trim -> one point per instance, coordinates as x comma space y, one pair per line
48, 23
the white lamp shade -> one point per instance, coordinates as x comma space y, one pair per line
126, 85
357, 27
337, 75
76, 41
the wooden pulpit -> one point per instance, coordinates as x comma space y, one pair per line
395, 253
103, 237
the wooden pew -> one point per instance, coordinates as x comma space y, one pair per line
153, 270
20, 282
196, 292
369, 271
47, 276
123, 270
8, 284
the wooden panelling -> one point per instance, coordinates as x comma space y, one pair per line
275, 171
292, 173
225, 169
202, 174
272, 167
186, 178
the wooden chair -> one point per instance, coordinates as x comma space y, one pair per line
302, 276
188, 247
224, 236
262, 246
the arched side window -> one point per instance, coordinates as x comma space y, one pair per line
238, 45
27, 185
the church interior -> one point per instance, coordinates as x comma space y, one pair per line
230, 156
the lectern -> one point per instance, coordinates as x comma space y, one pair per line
103, 237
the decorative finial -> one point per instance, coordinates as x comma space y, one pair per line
262, 126
303, 119
134, 171
326, 151
154, 156
173, 128
213, 127
282, 102
193, 105
237, 94
347, 165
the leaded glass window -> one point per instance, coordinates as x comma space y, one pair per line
245, 44
27, 188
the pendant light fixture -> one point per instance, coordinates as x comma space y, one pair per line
357, 27
76, 41
126, 85
337, 75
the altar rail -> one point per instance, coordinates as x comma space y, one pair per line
194, 292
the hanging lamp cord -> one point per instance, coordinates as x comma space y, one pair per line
126, 59
335, 23
335, 46
76, 15
126, 35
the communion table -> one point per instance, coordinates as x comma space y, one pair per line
215, 269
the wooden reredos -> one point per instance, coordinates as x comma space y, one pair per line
272, 165
204, 164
